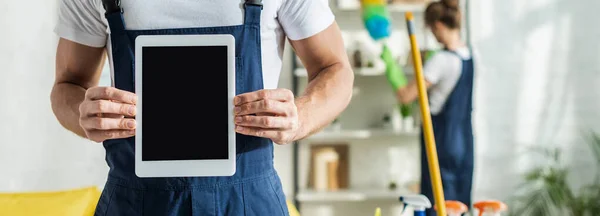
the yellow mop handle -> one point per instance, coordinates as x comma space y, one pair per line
432, 159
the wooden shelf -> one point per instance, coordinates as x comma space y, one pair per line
351, 195
408, 7
359, 134
301, 72
417, 7
408, 70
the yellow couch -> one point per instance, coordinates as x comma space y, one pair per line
77, 202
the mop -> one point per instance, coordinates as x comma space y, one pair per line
486, 207
430, 147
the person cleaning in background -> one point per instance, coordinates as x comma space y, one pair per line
449, 79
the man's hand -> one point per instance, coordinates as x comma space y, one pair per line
106, 113
267, 113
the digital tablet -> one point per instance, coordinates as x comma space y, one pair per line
185, 86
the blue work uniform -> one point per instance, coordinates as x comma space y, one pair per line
255, 189
454, 141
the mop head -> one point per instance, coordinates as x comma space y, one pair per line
376, 18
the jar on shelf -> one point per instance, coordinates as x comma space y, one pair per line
357, 56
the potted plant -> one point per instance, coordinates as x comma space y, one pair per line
546, 190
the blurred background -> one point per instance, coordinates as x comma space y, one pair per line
536, 102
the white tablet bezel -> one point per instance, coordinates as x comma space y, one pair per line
185, 168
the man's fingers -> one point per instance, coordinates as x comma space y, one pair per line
263, 122
108, 115
106, 106
262, 106
98, 123
101, 135
272, 94
111, 93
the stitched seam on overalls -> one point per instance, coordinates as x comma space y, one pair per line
142, 205
215, 202
244, 200
276, 194
112, 192
183, 30
188, 187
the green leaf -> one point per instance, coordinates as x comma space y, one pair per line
535, 174
406, 110
589, 200
594, 142
546, 191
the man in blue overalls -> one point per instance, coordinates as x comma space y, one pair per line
264, 114
449, 79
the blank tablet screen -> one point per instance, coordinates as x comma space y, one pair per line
184, 104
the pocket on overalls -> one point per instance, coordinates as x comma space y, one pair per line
451, 153
278, 190
264, 197
116, 201
104, 201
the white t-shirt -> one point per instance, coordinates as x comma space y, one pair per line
443, 70
83, 21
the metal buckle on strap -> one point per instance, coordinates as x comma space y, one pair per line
255, 2
111, 6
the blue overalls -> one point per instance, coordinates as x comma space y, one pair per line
454, 141
255, 189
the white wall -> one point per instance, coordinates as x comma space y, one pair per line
539, 87
36, 153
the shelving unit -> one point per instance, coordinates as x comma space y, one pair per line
417, 7
301, 72
362, 192
409, 7
349, 135
359, 134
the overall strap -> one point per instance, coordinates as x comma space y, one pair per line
121, 44
114, 16
111, 6
252, 10
252, 13
458, 55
